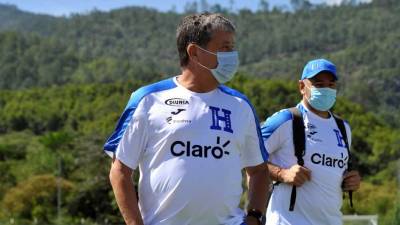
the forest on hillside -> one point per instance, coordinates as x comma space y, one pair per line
65, 80
138, 44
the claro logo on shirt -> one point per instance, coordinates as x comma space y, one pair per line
176, 102
188, 149
325, 160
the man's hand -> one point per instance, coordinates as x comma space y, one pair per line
351, 180
296, 175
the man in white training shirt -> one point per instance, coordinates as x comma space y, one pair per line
319, 180
191, 136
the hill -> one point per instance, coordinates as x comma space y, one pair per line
12, 18
137, 43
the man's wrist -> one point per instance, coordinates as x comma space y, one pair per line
255, 214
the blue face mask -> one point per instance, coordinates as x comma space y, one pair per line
228, 63
322, 99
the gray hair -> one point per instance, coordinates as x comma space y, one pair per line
199, 29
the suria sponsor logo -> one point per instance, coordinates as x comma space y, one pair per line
176, 102
188, 149
325, 160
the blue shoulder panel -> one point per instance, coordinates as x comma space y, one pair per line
301, 108
235, 93
113, 141
274, 122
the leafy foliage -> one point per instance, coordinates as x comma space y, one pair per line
89, 114
34, 198
135, 43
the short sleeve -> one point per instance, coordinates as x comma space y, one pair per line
254, 152
272, 130
133, 141
130, 135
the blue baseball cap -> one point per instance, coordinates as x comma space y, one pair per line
316, 66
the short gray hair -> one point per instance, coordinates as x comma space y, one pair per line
198, 29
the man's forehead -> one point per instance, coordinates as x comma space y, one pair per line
223, 35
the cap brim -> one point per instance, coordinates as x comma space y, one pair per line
320, 71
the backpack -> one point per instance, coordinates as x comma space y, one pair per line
299, 141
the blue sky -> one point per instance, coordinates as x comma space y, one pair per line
66, 7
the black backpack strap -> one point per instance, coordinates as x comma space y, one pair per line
299, 143
342, 128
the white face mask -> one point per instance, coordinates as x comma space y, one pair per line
228, 63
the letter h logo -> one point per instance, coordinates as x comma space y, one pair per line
216, 118
339, 138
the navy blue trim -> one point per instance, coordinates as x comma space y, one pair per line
274, 122
235, 93
113, 141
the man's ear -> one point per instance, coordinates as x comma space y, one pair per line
191, 50
302, 87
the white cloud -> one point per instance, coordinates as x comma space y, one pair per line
337, 2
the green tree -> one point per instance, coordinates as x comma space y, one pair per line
33, 199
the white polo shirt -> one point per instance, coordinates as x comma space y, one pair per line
190, 148
319, 200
